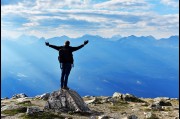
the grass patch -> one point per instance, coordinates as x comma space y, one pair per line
119, 106
26, 103
42, 115
14, 111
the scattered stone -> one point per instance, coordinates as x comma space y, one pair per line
124, 113
68, 118
158, 104
155, 106
176, 108
117, 95
91, 101
32, 110
135, 109
131, 117
21, 95
164, 103
104, 117
87, 96
93, 117
148, 114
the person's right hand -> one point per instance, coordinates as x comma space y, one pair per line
47, 43
86, 42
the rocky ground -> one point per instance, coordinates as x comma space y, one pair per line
118, 106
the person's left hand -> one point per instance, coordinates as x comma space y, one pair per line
86, 42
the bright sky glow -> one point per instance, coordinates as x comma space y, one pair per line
74, 18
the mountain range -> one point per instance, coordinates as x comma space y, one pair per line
143, 66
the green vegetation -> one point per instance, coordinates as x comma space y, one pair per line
119, 105
14, 111
42, 115
153, 116
26, 103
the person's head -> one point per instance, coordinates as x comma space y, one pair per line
67, 43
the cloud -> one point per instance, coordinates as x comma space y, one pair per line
31, 24
20, 75
76, 18
123, 4
138, 82
172, 3
106, 81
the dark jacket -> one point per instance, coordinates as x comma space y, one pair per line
70, 49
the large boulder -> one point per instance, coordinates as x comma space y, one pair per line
13, 107
66, 100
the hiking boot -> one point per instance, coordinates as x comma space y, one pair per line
66, 88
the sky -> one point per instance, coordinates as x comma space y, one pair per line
75, 18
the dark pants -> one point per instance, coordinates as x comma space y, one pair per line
66, 68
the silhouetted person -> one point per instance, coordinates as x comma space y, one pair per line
66, 60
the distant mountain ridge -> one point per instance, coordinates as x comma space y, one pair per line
144, 66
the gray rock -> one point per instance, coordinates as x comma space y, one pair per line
92, 117
161, 98
117, 95
158, 104
66, 100
164, 103
176, 108
91, 101
155, 106
103, 117
13, 107
148, 114
131, 98
4, 98
32, 110
21, 95
131, 117
44, 96
126, 97
107, 99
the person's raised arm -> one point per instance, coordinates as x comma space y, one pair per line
79, 47
52, 46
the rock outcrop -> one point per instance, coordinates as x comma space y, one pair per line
21, 95
44, 96
127, 97
66, 100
